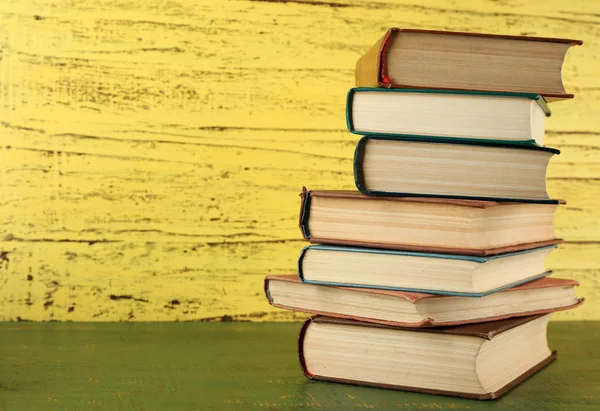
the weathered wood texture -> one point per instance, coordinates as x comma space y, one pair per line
151, 152
240, 366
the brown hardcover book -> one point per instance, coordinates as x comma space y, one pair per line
419, 310
430, 224
428, 59
477, 361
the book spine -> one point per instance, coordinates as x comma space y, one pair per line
304, 213
368, 67
300, 261
357, 165
301, 358
267, 293
349, 120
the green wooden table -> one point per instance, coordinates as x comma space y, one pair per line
231, 366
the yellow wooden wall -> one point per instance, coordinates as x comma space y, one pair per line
152, 152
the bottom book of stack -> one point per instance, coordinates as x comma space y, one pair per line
478, 361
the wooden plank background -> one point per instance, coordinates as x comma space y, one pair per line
151, 153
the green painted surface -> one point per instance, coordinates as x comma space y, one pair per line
230, 366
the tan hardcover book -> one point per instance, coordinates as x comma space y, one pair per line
430, 224
419, 310
386, 165
429, 59
478, 361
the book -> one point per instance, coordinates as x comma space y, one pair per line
420, 272
429, 59
511, 118
411, 309
435, 225
466, 169
478, 361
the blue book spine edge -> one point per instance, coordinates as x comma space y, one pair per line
426, 291
304, 215
419, 253
300, 260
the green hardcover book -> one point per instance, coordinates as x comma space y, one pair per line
390, 166
508, 118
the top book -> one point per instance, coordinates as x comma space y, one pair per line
425, 59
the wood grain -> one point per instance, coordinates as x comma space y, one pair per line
153, 152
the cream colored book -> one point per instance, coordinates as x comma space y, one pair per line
420, 272
448, 115
478, 361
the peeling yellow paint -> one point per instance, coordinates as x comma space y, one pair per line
151, 153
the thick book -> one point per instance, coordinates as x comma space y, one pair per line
466, 169
428, 59
510, 118
478, 361
434, 225
411, 309
431, 273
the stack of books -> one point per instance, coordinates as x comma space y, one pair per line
431, 276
